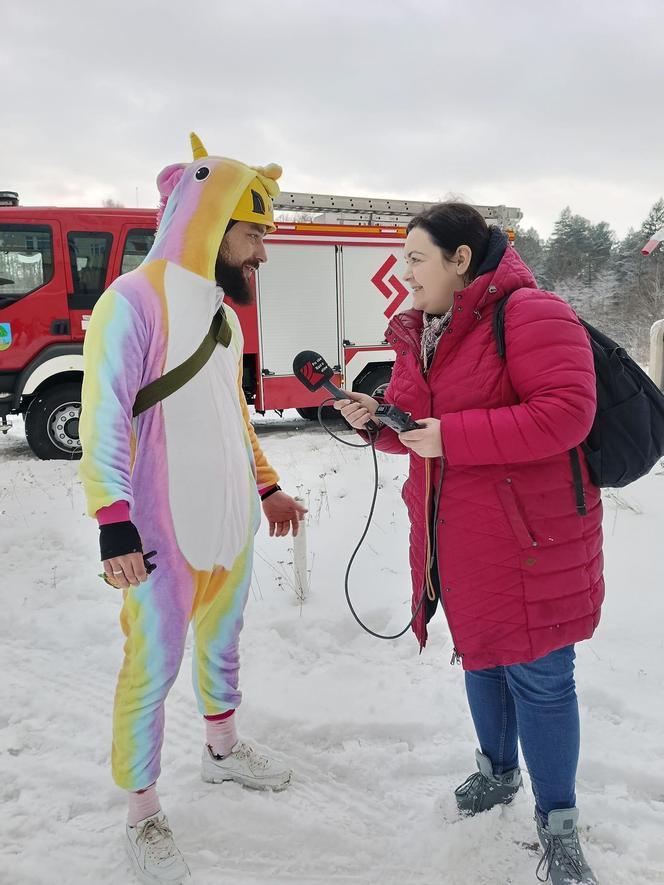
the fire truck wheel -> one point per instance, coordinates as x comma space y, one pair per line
51, 423
375, 382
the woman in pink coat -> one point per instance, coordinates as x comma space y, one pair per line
501, 534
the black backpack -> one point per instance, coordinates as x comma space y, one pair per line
627, 436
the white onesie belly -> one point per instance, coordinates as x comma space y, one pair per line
209, 473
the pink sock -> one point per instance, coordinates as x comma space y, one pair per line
143, 804
221, 735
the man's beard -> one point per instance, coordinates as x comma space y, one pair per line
232, 280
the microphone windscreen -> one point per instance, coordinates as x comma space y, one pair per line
311, 369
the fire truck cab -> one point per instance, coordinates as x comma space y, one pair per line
331, 284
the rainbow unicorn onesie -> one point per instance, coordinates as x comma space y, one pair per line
189, 469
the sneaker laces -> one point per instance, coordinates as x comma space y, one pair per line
158, 837
564, 849
244, 751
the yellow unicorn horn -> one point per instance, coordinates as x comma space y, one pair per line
197, 147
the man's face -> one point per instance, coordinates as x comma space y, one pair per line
240, 253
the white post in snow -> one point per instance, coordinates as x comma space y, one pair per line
300, 560
656, 363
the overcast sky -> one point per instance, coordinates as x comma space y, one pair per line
537, 104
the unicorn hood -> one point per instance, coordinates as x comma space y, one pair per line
199, 199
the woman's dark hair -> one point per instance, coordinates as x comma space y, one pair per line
451, 225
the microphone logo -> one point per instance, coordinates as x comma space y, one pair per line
312, 376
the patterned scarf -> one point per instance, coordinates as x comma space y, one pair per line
432, 331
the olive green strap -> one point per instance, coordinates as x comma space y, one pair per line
219, 333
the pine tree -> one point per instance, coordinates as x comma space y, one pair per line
530, 247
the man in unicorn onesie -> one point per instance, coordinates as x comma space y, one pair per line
184, 477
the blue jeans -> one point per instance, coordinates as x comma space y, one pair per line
535, 704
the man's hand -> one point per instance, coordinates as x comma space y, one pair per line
426, 441
122, 571
358, 409
122, 554
283, 514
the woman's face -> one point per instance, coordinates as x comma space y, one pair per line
432, 276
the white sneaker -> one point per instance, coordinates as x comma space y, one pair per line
244, 766
154, 854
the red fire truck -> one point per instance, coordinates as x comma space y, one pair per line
330, 285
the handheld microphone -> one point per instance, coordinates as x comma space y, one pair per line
312, 370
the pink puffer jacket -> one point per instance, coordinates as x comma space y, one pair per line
520, 571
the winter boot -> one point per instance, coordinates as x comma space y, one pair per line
153, 853
484, 789
563, 862
244, 766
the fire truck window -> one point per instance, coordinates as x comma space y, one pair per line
26, 259
88, 255
137, 245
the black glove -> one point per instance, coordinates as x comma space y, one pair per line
119, 539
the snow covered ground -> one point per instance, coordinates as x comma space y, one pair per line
377, 734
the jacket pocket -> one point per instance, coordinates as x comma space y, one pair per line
513, 513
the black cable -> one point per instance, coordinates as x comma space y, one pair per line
372, 437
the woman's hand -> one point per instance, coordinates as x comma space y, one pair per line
358, 409
426, 441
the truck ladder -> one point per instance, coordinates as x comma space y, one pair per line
367, 210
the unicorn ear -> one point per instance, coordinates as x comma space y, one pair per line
272, 170
169, 177
268, 176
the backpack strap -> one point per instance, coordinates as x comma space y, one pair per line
219, 333
575, 464
498, 322
499, 325
577, 478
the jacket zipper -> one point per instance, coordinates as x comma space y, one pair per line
456, 655
513, 513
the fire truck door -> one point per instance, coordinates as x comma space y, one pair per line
297, 301
373, 290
